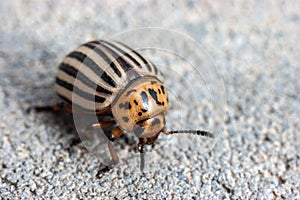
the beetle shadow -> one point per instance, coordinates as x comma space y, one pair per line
60, 125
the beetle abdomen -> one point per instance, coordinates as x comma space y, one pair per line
93, 74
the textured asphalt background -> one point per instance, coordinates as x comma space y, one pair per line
254, 45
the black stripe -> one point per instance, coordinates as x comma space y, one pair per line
125, 54
145, 100
162, 89
79, 92
82, 108
143, 59
65, 99
105, 57
93, 66
155, 68
125, 65
138, 55
154, 96
70, 70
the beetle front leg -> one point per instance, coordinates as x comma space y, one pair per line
103, 168
115, 134
142, 141
141, 145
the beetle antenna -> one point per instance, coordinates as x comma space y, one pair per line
197, 132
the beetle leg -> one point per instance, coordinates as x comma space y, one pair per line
103, 168
141, 145
112, 135
113, 153
115, 134
152, 146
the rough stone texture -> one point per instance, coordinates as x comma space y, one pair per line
254, 45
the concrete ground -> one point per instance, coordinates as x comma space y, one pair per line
250, 100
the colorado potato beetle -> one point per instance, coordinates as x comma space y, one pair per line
117, 81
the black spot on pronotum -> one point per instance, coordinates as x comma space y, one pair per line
154, 95
159, 91
162, 89
135, 102
155, 121
126, 106
144, 110
153, 82
145, 100
125, 119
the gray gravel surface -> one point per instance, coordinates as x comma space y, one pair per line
256, 49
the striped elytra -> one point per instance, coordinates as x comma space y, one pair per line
107, 78
95, 72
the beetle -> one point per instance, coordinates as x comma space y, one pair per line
108, 78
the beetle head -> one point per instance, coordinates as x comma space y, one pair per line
141, 107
